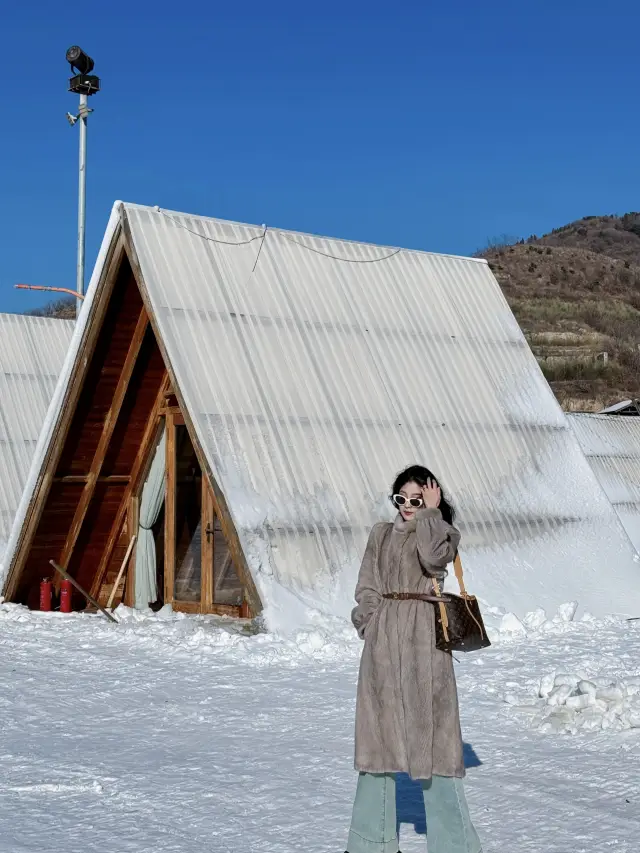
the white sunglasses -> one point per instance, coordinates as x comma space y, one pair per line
400, 500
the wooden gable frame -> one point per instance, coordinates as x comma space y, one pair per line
65, 413
121, 249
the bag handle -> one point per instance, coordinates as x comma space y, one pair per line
444, 618
457, 568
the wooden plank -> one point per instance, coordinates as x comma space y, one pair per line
123, 532
105, 437
220, 503
66, 412
208, 544
83, 478
187, 606
132, 542
138, 472
170, 513
216, 609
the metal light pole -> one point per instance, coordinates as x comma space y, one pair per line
84, 84
83, 113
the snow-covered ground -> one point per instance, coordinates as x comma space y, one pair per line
182, 735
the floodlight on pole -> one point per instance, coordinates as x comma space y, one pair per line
84, 84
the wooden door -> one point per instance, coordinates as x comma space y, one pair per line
199, 574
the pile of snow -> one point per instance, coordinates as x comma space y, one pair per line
571, 701
568, 703
322, 639
504, 626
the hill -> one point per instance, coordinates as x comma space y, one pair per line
576, 295
614, 236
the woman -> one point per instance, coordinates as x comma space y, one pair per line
407, 707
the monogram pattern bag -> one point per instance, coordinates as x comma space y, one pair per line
459, 625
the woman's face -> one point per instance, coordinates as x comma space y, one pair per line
409, 490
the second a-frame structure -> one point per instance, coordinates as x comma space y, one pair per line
32, 353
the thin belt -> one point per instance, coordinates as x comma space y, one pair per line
416, 596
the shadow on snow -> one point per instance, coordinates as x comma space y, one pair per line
409, 800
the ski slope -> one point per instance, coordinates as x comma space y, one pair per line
180, 734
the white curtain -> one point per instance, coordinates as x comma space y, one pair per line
150, 505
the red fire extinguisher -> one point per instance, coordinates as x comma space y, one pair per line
65, 596
45, 594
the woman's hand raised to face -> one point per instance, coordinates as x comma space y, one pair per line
431, 495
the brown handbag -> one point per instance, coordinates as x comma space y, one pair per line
459, 625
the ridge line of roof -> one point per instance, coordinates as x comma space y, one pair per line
126, 205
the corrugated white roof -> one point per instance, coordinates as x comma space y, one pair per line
32, 350
612, 447
314, 369
617, 407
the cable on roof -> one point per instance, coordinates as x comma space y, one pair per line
336, 258
260, 249
286, 236
210, 239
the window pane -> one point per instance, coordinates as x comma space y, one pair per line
188, 519
227, 588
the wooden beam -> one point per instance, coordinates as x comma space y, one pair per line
83, 478
116, 584
219, 501
66, 411
216, 609
207, 540
170, 514
137, 472
107, 431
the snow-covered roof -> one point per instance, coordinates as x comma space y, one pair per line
32, 350
612, 446
622, 406
313, 369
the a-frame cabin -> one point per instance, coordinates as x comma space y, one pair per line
239, 399
119, 405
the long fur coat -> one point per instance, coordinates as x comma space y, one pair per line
407, 717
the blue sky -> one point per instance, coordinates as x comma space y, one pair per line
421, 124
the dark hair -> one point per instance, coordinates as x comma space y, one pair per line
421, 475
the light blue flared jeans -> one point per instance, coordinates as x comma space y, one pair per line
373, 825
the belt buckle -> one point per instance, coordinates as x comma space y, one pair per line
396, 595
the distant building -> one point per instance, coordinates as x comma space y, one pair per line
626, 407
612, 448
